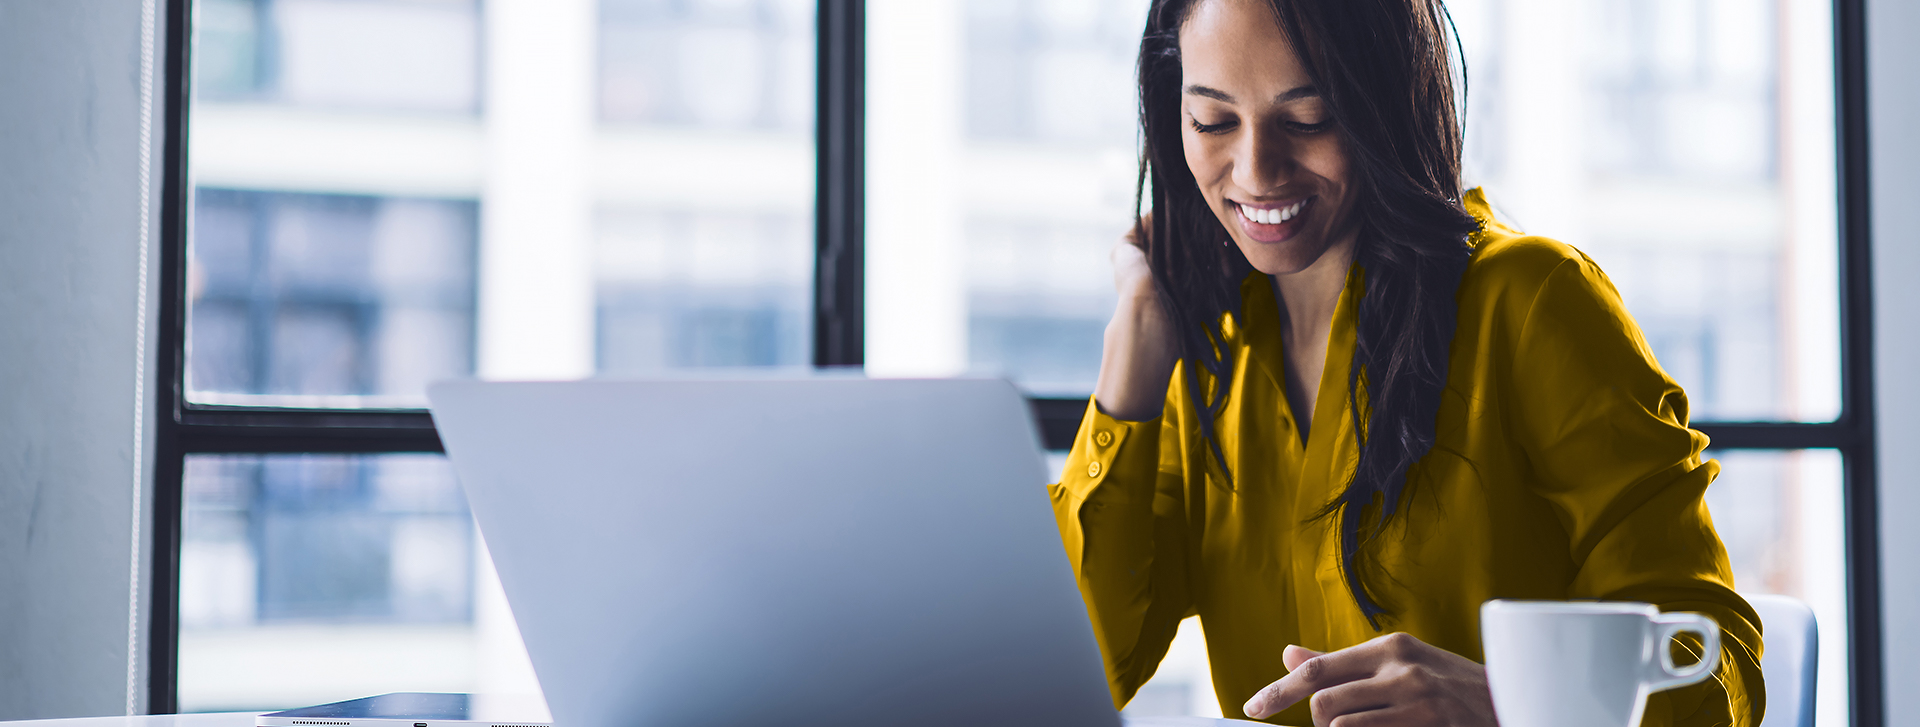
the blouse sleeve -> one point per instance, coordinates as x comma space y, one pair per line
1606, 431
1120, 520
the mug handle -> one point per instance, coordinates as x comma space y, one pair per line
1667, 676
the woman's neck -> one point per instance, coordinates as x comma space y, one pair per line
1307, 300
1309, 297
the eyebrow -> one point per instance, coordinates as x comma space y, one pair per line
1219, 95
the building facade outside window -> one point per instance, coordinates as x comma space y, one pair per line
387, 193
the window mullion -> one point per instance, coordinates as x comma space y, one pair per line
840, 164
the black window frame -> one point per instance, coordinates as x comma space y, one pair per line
184, 428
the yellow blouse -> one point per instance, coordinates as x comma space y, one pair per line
1562, 468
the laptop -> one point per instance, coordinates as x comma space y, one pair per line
797, 552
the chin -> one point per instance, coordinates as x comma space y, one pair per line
1284, 258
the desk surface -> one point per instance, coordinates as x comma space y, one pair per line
245, 719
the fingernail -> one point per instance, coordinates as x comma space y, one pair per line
1252, 708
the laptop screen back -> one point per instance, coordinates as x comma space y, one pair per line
829, 551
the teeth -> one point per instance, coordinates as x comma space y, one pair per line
1272, 216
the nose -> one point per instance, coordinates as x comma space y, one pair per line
1263, 160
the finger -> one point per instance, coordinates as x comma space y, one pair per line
1315, 674
1295, 655
1353, 697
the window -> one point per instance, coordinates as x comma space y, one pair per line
368, 195
1689, 147
711, 265
352, 573
1002, 143
328, 299
379, 194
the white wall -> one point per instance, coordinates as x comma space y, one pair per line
70, 287
1893, 65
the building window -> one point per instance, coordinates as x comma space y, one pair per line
327, 299
387, 193
322, 561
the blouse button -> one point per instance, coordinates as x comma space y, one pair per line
1103, 438
1093, 469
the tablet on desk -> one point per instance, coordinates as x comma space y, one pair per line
417, 709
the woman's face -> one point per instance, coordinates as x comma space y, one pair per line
1259, 139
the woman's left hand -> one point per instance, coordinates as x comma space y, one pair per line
1392, 680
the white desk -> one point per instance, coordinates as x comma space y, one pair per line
222, 719
245, 719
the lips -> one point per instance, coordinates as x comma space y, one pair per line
1274, 222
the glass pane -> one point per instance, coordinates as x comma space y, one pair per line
1688, 147
352, 575
1781, 516
328, 299
384, 55
392, 192
1001, 164
704, 226
335, 217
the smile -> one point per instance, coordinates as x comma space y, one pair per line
1276, 222
1271, 215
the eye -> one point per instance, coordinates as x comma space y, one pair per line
1303, 128
1211, 128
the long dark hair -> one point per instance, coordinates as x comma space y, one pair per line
1384, 69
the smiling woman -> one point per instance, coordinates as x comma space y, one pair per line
1341, 404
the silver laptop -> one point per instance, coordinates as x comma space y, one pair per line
831, 551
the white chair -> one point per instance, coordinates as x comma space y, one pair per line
1789, 660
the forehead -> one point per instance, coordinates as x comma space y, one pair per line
1237, 46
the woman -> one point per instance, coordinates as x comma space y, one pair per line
1311, 261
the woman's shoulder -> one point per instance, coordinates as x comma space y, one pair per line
1509, 264
1513, 274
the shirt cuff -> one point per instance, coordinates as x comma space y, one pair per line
1111, 449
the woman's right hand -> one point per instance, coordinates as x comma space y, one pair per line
1140, 344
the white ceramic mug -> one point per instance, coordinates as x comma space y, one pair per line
1585, 663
